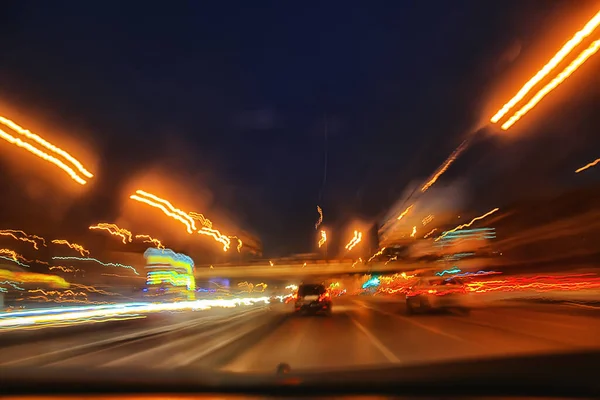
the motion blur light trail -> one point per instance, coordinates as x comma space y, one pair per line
427, 219
44, 156
431, 232
414, 231
554, 61
199, 217
378, 253
64, 269
541, 283
32, 136
36, 319
30, 277
218, 236
114, 230
84, 259
74, 246
468, 224
590, 165
355, 240
14, 255
15, 261
166, 207
240, 243
455, 154
24, 237
323, 238
403, 214
320, 220
150, 239
560, 78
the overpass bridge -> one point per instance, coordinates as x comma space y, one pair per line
318, 269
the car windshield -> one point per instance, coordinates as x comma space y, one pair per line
225, 186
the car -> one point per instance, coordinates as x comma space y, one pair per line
437, 293
313, 299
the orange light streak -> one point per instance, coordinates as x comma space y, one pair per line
240, 243
24, 237
455, 154
224, 240
430, 233
469, 224
323, 238
560, 78
114, 230
355, 240
150, 239
14, 255
162, 204
77, 247
380, 252
590, 165
30, 135
405, 212
320, 220
44, 156
554, 61
64, 269
414, 231
199, 217
427, 219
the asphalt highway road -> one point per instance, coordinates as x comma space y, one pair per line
362, 331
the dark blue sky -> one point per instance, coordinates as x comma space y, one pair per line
234, 95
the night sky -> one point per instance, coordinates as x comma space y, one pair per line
258, 111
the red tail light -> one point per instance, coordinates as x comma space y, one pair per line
324, 296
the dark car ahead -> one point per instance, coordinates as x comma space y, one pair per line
312, 298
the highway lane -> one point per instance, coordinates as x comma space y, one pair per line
363, 331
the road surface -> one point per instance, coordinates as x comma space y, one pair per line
362, 331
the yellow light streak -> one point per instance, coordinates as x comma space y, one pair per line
455, 154
199, 217
166, 207
356, 239
380, 252
43, 155
554, 61
77, 247
403, 214
218, 236
590, 165
114, 230
414, 231
430, 233
427, 219
323, 238
240, 243
150, 239
320, 220
468, 224
560, 78
47, 145
24, 237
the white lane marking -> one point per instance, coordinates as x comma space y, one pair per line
420, 325
183, 360
161, 329
376, 342
178, 342
198, 323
